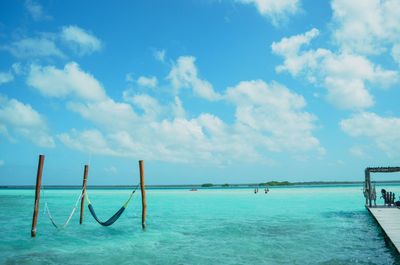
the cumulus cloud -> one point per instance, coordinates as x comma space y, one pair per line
53, 82
6, 77
36, 10
148, 104
276, 11
274, 115
382, 131
106, 113
91, 141
45, 44
33, 48
184, 74
147, 81
347, 77
368, 26
267, 118
21, 119
80, 40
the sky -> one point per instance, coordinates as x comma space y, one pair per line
240, 91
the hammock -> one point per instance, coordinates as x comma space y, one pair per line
47, 210
113, 218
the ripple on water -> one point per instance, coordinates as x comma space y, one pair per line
288, 226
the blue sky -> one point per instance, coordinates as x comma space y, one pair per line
204, 91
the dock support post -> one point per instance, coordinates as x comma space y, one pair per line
368, 187
143, 191
37, 194
85, 174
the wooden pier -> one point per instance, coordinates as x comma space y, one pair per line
387, 215
388, 219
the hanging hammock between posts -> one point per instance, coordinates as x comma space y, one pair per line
113, 218
47, 210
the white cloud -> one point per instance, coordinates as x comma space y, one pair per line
151, 109
285, 126
149, 105
348, 94
36, 10
294, 61
177, 108
53, 82
108, 114
346, 76
268, 118
367, 26
34, 47
159, 55
276, 11
274, 115
21, 119
44, 44
2, 163
91, 141
184, 74
291, 46
80, 40
382, 131
6, 77
147, 81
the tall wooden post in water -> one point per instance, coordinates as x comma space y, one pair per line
37, 194
143, 191
85, 174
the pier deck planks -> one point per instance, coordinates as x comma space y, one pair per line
389, 220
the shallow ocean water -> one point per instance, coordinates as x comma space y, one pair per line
294, 225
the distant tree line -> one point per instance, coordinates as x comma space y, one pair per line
276, 183
269, 183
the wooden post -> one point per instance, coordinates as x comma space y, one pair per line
85, 174
37, 194
143, 191
368, 187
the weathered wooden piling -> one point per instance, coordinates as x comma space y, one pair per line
85, 174
143, 191
37, 194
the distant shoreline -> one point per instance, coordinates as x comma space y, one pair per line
205, 186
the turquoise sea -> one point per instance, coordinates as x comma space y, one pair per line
293, 225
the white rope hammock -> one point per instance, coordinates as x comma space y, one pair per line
47, 210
